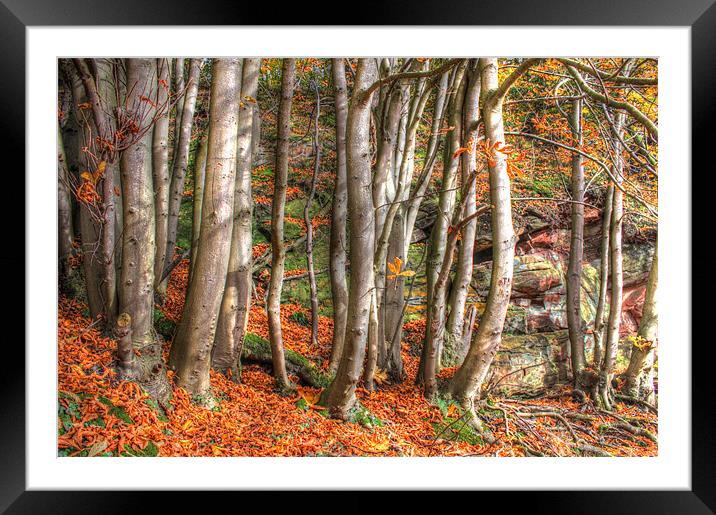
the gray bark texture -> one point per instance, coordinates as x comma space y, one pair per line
191, 350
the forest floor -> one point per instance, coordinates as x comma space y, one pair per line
98, 415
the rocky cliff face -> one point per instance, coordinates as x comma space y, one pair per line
535, 345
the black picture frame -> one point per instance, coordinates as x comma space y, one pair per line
700, 15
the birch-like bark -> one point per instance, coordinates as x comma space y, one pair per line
640, 373
234, 312
455, 344
429, 161
181, 159
197, 199
278, 248
191, 350
160, 170
616, 272
340, 398
467, 381
338, 242
576, 251
599, 317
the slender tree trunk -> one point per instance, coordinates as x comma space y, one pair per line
309, 222
64, 214
199, 174
455, 344
576, 252
394, 300
100, 93
617, 279
181, 159
599, 318
191, 350
338, 242
234, 312
180, 92
640, 374
429, 161
439, 234
340, 398
278, 248
467, 381
89, 225
160, 170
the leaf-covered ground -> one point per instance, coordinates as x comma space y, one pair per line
101, 416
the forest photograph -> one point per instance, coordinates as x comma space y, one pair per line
357, 256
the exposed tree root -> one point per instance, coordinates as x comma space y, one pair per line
258, 350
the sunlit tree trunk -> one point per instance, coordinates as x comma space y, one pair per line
340, 398
191, 350
455, 344
198, 197
640, 373
278, 248
338, 242
467, 381
181, 159
576, 251
616, 273
160, 170
234, 312
413, 207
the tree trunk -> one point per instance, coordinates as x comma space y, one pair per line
640, 374
576, 251
198, 197
467, 381
429, 161
309, 222
278, 252
234, 312
160, 170
100, 93
454, 344
64, 214
617, 279
89, 224
340, 398
180, 95
338, 243
191, 350
181, 159
599, 318
137, 275
439, 234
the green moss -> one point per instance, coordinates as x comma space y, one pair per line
457, 430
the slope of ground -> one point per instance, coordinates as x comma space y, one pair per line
101, 416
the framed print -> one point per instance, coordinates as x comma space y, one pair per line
430, 254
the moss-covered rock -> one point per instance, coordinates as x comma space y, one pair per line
258, 349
